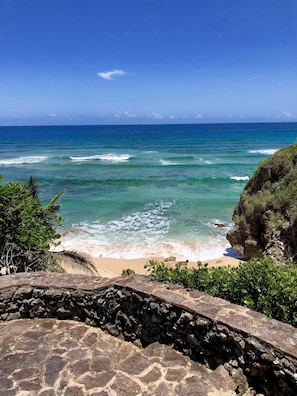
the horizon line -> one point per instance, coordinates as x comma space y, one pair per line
153, 124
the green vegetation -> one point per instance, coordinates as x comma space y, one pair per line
267, 212
128, 271
258, 284
27, 228
277, 194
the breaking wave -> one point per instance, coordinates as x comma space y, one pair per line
30, 159
104, 157
263, 152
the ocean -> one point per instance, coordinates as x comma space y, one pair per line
143, 190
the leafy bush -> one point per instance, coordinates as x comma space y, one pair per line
128, 271
26, 228
258, 284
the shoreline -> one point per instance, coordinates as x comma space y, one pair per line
111, 267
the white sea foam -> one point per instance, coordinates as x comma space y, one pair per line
166, 162
88, 158
30, 159
103, 157
239, 178
132, 250
146, 234
152, 220
263, 152
205, 161
115, 157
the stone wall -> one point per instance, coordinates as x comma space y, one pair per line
257, 351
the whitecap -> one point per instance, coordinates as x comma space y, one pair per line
30, 159
263, 152
115, 157
205, 161
88, 158
166, 163
239, 178
103, 157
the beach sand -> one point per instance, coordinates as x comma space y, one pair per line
110, 267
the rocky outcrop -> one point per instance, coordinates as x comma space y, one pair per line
265, 219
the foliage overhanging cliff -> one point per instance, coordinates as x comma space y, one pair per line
265, 219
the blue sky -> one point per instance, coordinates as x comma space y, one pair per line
147, 61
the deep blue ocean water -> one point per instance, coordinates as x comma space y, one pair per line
143, 191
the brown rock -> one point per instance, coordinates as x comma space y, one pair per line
79, 367
135, 364
53, 367
73, 391
152, 376
125, 386
170, 258
175, 374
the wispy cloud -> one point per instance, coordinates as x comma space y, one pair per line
111, 75
287, 114
125, 114
157, 115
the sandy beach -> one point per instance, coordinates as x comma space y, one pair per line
110, 267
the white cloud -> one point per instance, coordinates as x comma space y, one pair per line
199, 116
287, 114
157, 115
125, 114
109, 75
53, 115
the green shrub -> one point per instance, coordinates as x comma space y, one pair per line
258, 284
128, 271
26, 228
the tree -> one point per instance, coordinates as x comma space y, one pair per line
27, 229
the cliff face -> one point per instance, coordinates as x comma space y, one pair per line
265, 219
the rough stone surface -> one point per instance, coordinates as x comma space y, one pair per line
53, 357
259, 354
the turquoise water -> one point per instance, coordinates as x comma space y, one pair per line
143, 191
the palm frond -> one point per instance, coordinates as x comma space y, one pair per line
52, 208
32, 187
73, 262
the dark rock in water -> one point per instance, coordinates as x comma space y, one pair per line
265, 219
219, 225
